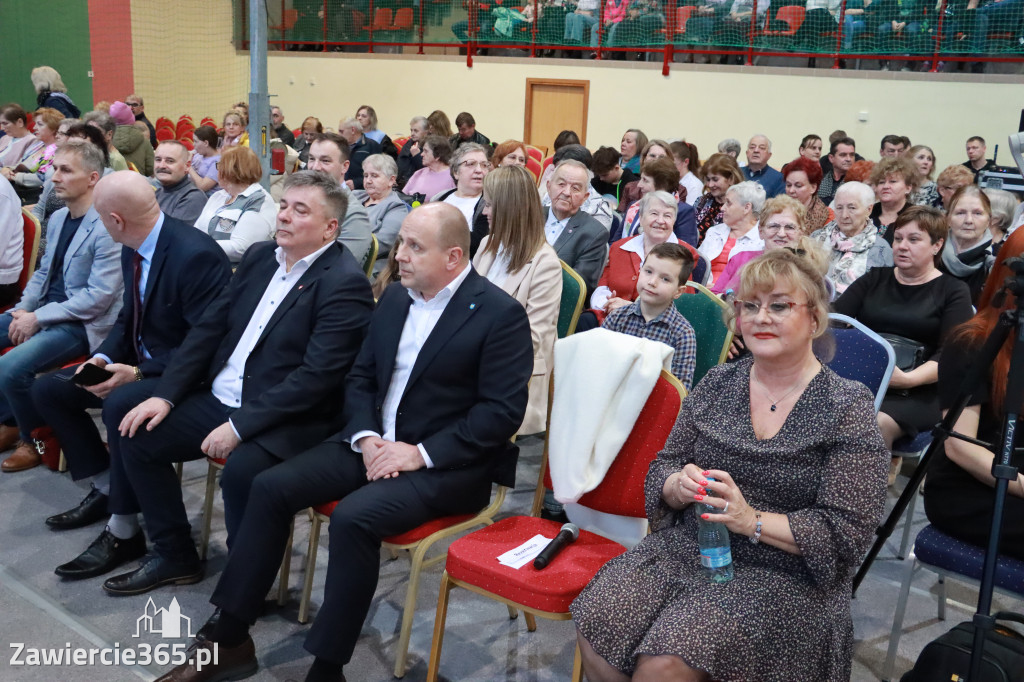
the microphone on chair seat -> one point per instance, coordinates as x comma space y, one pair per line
566, 536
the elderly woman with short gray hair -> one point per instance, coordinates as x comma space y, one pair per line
385, 208
1004, 206
854, 242
738, 232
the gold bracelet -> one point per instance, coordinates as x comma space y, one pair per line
138, 374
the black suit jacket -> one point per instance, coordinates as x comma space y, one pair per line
187, 273
481, 226
467, 392
291, 393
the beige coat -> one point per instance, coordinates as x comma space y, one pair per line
538, 287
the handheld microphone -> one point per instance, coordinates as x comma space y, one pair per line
566, 536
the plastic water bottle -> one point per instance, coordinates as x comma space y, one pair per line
715, 548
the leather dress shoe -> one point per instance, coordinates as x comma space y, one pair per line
90, 510
233, 663
154, 572
9, 436
208, 627
25, 456
104, 555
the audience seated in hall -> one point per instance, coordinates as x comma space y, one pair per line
132, 142
470, 164
177, 195
384, 207
435, 175
594, 205
360, 146
577, 237
328, 153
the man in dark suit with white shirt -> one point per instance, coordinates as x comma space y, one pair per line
577, 237
438, 389
256, 381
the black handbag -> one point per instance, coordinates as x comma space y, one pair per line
909, 353
949, 656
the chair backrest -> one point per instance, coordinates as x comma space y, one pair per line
400, 142
545, 163
574, 291
187, 141
404, 18
164, 133
621, 491
533, 165
30, 251
682, 16
382, 19
371, 256
535, 153
703, 310
861, 355
702, 270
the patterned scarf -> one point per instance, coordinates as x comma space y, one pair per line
849, 257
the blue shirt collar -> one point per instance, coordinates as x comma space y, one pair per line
148, 247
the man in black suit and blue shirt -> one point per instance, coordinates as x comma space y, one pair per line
172, 271
257, 378
438, 389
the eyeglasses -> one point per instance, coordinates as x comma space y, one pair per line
776, 309
476, 164
772, 228
798, 252
134, 104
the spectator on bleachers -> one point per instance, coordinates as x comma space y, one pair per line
311, 127
892, 145
803, 176
854, 242
899, 23
438, 124
924, 158
367, 117
855, 22
577, 237
660, 175
950, 181
12, 238
435, 176
841, 155
894, 180
652, 149
961, 471
328, 153
738, 231
385, 208
130, 141
705, 19
732, 147
515, 257
280, 128
594, 204
810, 147
687, 162
509, 153
734, 29
467, 132
203, 168
470, 165
410, 157
820, 18
652, 613
177, 195
360, 146
51, 92
633, 141
583, 18
138, 108
235, 134
919, 306
40, 166
614, 13
759, 152
967, 254
1004, 205
618, 284
104, 123
610, 179
719, 173
18, 145
241, 213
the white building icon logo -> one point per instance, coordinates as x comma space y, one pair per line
168, 623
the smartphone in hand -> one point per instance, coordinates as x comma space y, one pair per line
91, 375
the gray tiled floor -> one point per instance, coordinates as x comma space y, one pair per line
481, 643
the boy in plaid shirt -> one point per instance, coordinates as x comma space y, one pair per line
653, 315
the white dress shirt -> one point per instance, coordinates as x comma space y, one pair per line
227, 386
419, 323
694, 187
553, 227
717, 235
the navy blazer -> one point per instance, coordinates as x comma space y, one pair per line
291, 394
188, 272
467, 392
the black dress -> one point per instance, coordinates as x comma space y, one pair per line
955, 502
923, 312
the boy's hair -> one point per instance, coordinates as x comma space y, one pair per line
677, 253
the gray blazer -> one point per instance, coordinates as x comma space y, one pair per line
583, 245
354, 232
92, 279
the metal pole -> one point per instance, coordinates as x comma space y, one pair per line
259, 98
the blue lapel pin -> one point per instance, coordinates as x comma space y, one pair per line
472, 306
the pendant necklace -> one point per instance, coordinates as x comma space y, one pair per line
764, 388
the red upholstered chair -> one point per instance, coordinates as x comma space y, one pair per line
187, 141
533, 165
382, 19
417, 541
400, 142
163, 121
208, 122
535, 153
163, 134
792, 15
472, 559
403, 19
29, 251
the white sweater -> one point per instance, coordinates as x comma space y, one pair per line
12, 236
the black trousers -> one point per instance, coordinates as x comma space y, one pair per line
368, 512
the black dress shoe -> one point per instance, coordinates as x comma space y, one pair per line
104, 555
90, 510
154, 572
208, 627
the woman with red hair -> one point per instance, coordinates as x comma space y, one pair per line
959, 494
803, 177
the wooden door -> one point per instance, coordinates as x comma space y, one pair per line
552, 106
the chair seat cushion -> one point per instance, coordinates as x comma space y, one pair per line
935, 548
409, 536
474, 559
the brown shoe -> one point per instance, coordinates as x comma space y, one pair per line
25, 457
233, 663
9, 436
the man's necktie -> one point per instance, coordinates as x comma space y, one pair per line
137, 306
